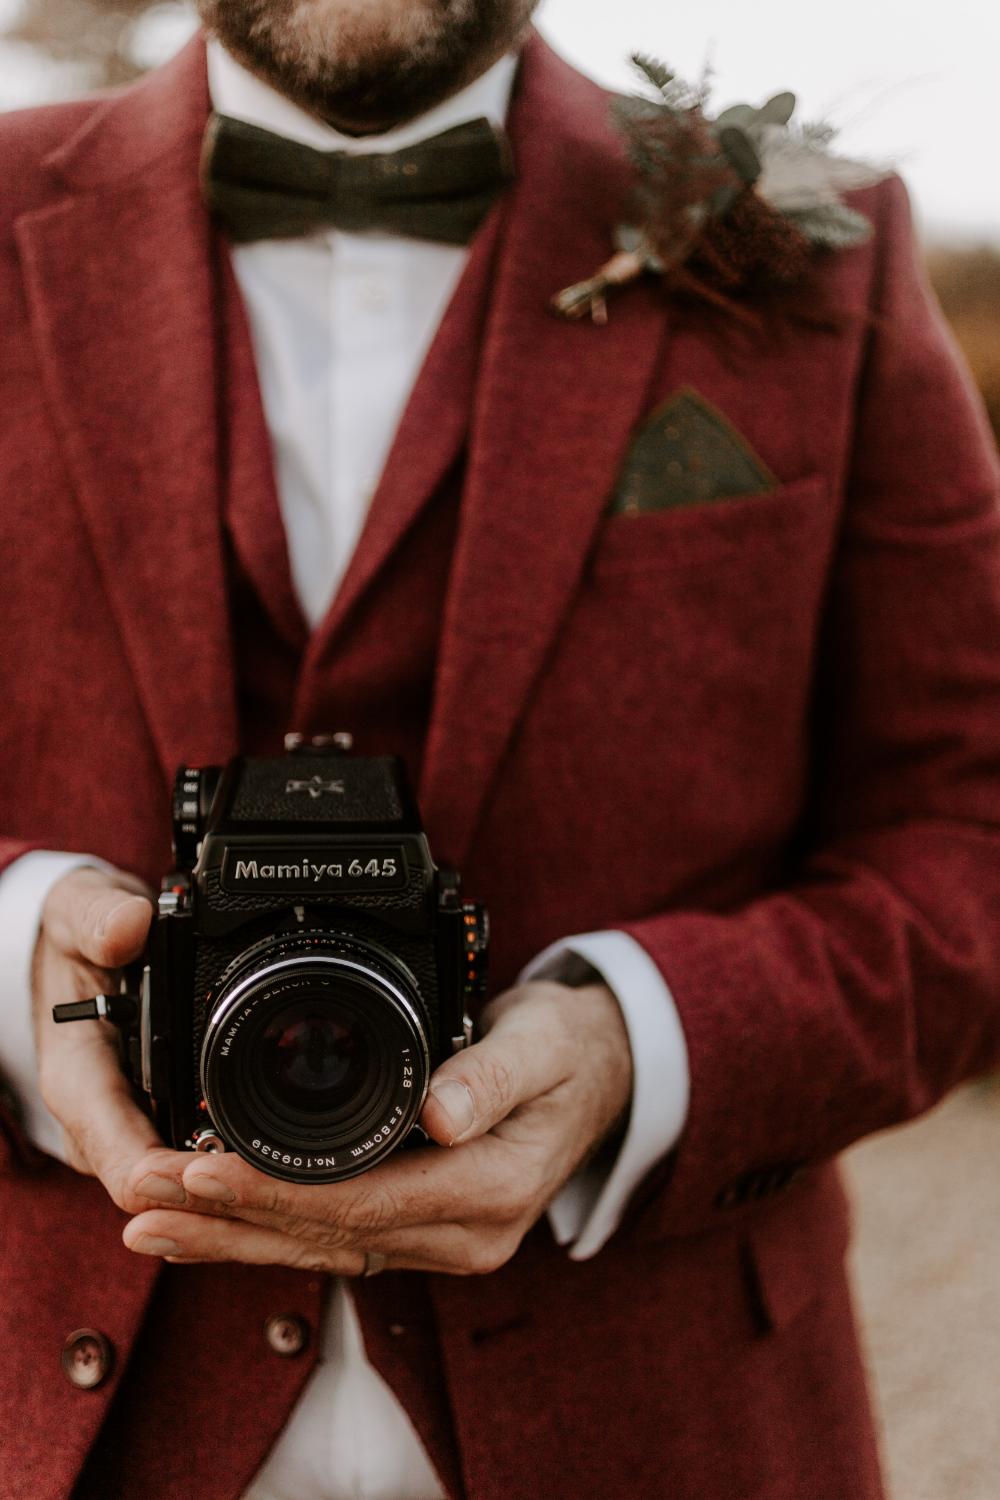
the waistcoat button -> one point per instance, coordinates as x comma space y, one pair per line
87, 1358
286, 1334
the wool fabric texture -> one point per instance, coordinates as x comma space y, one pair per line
760, 734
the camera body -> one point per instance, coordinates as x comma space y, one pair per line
308, 965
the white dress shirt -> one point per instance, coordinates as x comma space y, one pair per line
340, 325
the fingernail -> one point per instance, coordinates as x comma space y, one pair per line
161, 1189
154, 1244
200, 1185
112, 911
458, 1104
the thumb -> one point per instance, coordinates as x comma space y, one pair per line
122, 930
473, 1091
95, 917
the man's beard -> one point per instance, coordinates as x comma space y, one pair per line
366, 65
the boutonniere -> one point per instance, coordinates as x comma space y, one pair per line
722, 206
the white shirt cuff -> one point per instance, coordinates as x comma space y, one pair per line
588, 1210
24, 886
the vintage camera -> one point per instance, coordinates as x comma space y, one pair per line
307, 969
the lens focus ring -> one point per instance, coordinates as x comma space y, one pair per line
315, 1060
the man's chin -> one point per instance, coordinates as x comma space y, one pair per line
372, 106
332, 58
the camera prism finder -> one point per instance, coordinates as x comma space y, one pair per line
307, 969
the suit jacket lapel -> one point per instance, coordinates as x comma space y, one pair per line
130, 368
119, 279
555, 407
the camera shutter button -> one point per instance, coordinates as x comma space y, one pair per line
286, 1334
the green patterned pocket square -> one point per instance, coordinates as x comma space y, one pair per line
687, 453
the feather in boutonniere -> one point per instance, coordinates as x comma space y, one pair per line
723, 205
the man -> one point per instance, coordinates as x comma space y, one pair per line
748, 747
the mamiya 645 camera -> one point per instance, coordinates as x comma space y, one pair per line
307, 968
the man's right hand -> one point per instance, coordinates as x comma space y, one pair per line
93, 924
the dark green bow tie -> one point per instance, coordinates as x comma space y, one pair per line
261, 186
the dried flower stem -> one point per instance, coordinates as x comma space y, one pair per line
588, 297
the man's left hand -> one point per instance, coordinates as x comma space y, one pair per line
521, 1110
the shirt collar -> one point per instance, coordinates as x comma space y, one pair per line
241, 95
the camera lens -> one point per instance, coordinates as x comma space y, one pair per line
315, 1059
311, 1058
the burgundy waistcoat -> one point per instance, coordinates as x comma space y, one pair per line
371, 673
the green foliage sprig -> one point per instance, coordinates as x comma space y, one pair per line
725, 204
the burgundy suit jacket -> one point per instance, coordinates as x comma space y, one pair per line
761, 735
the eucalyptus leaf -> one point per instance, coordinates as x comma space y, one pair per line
741, 153
779, 110
741, 115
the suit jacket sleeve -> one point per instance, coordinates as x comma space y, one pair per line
12, 1139
868, 985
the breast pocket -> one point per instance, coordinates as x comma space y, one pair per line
747, 534
676, 703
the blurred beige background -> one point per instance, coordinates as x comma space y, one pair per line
911, 84
927, 1273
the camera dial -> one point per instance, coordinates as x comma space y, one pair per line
190, 805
